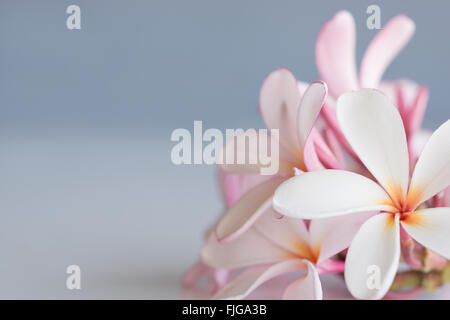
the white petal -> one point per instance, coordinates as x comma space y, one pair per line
332, 235
432, 172
250, 279
384, 48
279, 100
374, 128
327, 193
373, 257
250, 249
308, 287
309, 109
289, 233
431, 228
246, 210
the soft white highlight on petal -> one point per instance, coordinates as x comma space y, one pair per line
250, 279
328, 193
384, 48
246, 210
308, 287
375, 250
309, 109
432, 172
374, 128
431, 228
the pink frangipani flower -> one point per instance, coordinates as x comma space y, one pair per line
336, 63
286, 108
374, 129
274, 247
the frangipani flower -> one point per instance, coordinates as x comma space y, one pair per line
292, 111
335, 52
374, 129
336, 63
274, 247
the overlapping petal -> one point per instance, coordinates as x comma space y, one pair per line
373, 257
238, 218
374, 128
432, 172
250, 279
383, 49
431, 228
307, 287
328, 193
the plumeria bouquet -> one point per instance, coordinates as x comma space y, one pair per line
361, 191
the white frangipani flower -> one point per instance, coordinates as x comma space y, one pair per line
374, 129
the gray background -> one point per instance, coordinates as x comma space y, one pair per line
86, 117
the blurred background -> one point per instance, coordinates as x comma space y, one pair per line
86, 117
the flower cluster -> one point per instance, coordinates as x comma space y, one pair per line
361, 190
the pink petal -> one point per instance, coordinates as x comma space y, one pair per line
252, 278
279, 100
246, 210
335, 54
383, 49
310, 106
250, 249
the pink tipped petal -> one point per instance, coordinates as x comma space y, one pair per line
242, 154
332, 235
335, 53
374, 128
384, 48
308, 287
431, 228
328, 193
415, 116
432, 172
250, 249
279, 101
310, 106
373, 257
246, 211
335, 146
252, 278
